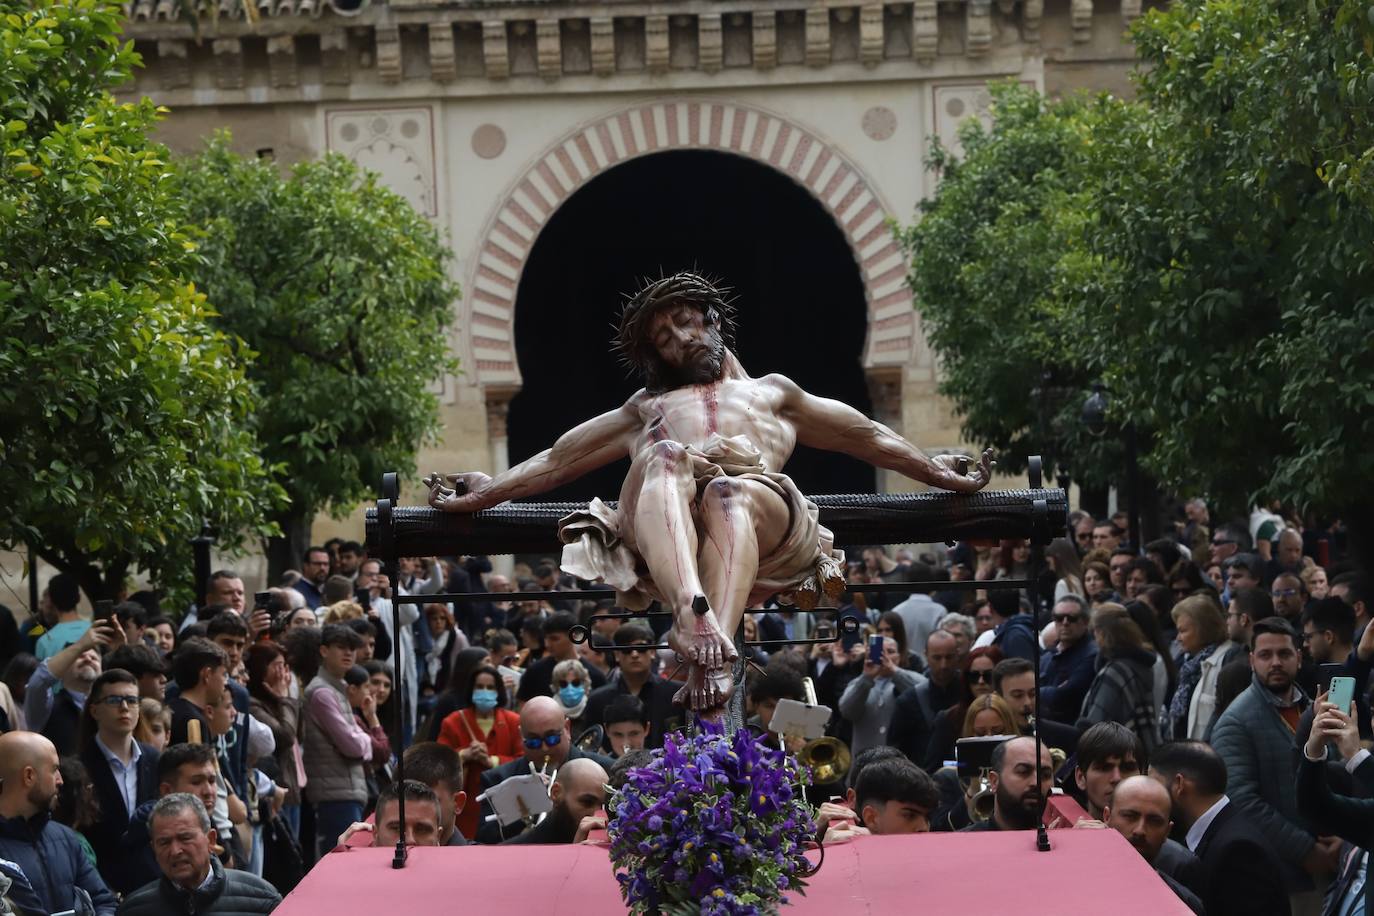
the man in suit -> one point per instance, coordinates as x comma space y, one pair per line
122, 770
1140, 811
1255, 738
913, 715
548, 747
1242, 872
1351, 819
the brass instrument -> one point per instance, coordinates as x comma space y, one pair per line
981, 803
828, 759
590, 739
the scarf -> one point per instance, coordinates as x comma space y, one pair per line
1188, 675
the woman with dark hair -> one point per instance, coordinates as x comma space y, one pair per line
302, 648
270, 702
891, 626
76, 806
949, 724
1123, 688
1165, 671
363, 701
1097, 583
1063, 560
455, 696
1187, 578
436, 670
485, 734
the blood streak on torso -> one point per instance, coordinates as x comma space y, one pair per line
709, 405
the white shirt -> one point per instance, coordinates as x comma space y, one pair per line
125, 775
1199, 828
985, 638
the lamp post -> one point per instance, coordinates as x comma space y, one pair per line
1095, 419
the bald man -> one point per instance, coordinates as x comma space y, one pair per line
1140, 811
48, 853
577, 793
548, 747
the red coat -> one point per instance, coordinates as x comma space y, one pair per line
458, 730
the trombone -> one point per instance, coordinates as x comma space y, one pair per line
828, 758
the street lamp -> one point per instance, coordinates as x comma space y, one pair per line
1095, 419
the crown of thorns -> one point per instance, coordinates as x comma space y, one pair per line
631, 340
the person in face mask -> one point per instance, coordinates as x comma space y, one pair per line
485, 734
571, 687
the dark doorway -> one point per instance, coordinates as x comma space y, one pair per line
799, 295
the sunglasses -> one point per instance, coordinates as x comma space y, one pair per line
563, 684
979, 677
1067, 618
547, 740
1222, 542
638, 650
119, 701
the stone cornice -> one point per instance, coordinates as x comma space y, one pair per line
500, 47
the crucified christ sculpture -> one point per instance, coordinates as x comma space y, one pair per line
706, 523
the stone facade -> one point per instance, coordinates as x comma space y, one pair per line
486, 116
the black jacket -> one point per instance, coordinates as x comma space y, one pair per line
1243, 874
229, 893
50, 855
492, 832
63, 723
914, 715
1351, 819
657, 696
105, 835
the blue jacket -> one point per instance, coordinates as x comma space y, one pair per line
1016, 637
52, 858
1065, 678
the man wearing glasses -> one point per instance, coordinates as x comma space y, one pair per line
548, 746
1227, 541
636, 678
1067, 672
123, 771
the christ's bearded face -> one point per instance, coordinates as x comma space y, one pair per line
690, 350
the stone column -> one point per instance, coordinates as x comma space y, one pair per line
498, 406
885, 393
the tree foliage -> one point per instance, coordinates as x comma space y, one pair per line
342, 290
122, 411
997, 268
1206, 250
1242, 299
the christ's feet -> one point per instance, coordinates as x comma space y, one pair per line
697, 636
707, 691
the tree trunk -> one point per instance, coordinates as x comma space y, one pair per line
288, 550
98, 584
1359, 528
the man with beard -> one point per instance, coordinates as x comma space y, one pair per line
1255, 738
1017, 798
49, 854
1243, 876
706, 522
578, 792
1140, 811
75, 668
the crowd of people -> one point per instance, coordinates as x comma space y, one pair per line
203, 762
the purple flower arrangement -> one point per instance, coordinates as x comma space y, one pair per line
713, 825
